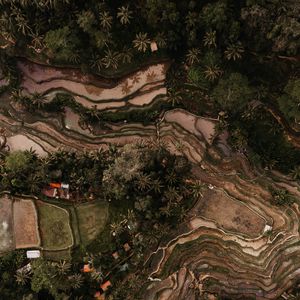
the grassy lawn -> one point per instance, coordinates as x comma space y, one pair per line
55, 228
92, 218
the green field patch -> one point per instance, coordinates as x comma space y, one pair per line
92, 218
55, 230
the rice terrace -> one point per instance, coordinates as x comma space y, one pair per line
149, 150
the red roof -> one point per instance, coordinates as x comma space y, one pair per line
105, 285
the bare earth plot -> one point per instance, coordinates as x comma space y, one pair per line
6, 229
25, 224
230, 214
91, 219
54, 227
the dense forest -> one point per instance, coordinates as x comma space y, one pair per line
237, 61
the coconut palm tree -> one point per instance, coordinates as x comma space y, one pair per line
126, 55
37, 41
105, 20
22, 277
191, 19
111, 59
296, 173
76, 281
22, 22
197, 189
124, 14
38, 100
210, 39
156, 185
192, 56
212, 72
143, 182
160, 40
141, 42
234, 51
62, 267
74, 57
96, 62
174, 97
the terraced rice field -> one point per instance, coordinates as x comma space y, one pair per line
234, 242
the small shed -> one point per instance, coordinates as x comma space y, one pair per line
87, 269
33, 253
153, 46
104, 287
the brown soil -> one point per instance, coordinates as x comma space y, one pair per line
25, 224
230, 214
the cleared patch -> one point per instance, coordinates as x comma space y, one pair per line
230, 214
25, 224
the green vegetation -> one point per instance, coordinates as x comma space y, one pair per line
92, 219
236, 61
54, 226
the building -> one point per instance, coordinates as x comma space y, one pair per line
87, 269
57, 190
153, 46
33, 253
126, 247
104, 287
99, 296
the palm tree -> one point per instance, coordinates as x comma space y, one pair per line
74, 57
171, 177
126, 55
212, 72
191, 19
37, 41
22, 277
234, 51
197, 189
105, 20
76, 281
111, 59
192, 56
141, 42
160, 40
62, 267
96, 62
143, 182
22, 22
296, 173
38, 100
174, 97
210, 39
156, 185
124, 14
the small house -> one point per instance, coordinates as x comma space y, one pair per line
87, 269
99, 296
57, 190
104, 287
